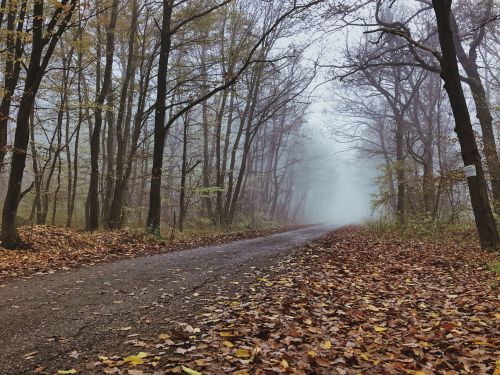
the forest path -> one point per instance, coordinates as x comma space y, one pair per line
55, 321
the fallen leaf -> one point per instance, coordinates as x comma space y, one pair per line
243, 353
190, 371
326, 344
30, 355
312, 353
135, 372
136, 359
365, 356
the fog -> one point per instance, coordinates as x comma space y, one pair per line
340, 183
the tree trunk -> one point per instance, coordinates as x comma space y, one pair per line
483, 112
485, 222
12, 70
93, 193
109, 181
154, 213
72, 191
34, 74
116, 205
37, 201
184, 171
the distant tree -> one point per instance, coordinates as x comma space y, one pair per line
168, 29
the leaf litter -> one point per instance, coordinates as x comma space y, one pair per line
350, 303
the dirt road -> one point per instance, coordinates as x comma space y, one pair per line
56, 321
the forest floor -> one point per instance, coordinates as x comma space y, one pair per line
52, 249
351, 302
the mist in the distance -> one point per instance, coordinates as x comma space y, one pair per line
339, 182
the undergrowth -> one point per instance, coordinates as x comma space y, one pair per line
425, 228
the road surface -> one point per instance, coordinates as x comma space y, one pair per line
55, 321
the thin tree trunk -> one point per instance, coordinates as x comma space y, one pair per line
154, 213
116, 205
184, 172
93, 193
72, 191
12, 70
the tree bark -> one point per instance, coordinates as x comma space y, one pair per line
93, 193
12, 70
154, 213
116, 204
485, 222
483, 113
34, 74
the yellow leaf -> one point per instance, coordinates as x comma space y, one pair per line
136, 359
163, 336
243, 353
229, 344
190, 371
372, 308
420, 373
481, 342
365, 356
326, 344
64, 372
380, 329
312, 353
226, 334
284, 363
235, 303
497, 316
308, 322
497, 368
